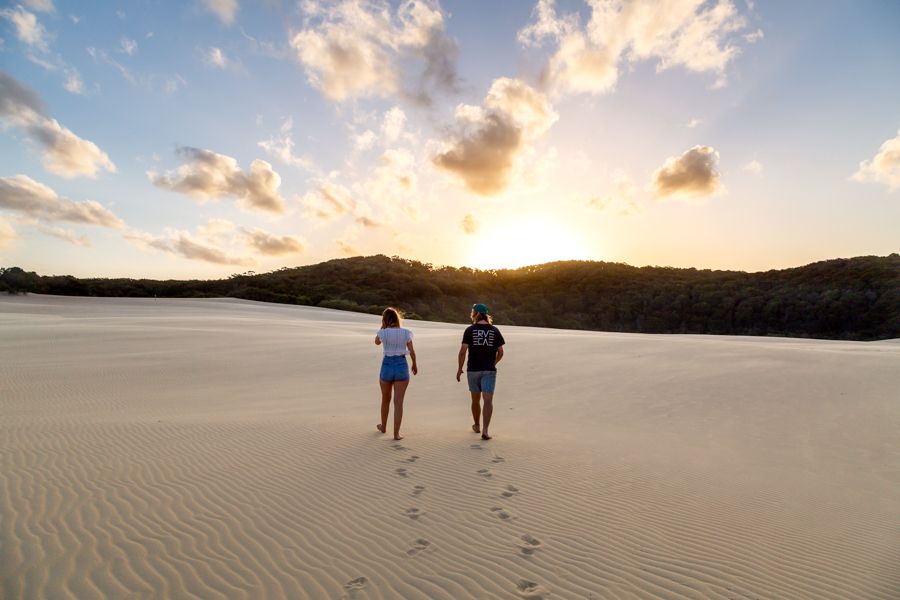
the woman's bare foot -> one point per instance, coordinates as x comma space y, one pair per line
485, 436
380, 427
398, 437
476, 428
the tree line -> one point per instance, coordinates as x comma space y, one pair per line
855, 298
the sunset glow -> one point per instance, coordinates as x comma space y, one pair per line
202, 138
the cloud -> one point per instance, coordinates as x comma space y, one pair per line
28, 28
469, 225
282, 147
208, 176
225, 10
365, 140
73, 83
393, 124
272, 245
28, 197
622, 197
693, 34
216, 58
691, 175
352, 49
347, 249
693, 123
65, 234
331, 201
128, 46
45, 6
7, 234
884, 167
754, 167
182, 243
490, 137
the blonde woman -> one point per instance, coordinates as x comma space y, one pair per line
394, 376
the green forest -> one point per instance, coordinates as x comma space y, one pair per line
854, 299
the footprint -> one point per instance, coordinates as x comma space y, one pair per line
413, 513
498, 459
412, 459
418, 546
502, 514
510, 491
401, 472
399, 447
529, 544
418, 489
476, 447
531, 590
356, 584
485, 473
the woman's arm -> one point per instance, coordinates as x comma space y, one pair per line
412, 355
377, 340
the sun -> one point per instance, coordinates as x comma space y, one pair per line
514, 245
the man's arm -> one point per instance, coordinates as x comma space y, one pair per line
499, 355
462, 359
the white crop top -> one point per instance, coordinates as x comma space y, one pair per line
394, 340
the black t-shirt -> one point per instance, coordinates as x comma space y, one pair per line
483, 341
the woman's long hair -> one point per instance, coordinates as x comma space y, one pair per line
390, 317
477, 316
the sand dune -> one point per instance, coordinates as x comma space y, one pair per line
226, 449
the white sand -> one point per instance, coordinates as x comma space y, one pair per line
226, 449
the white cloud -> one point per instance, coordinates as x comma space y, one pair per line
28, 197
28, 28
693, 123
208, 176
754, 167
393, 124
694, 34
331, 201
491, 137
73, 83
216, 58
365, 140
270, 244
622, 197
691, 175
45, 6
65, 153
128, 46
183, 243
884, 167
7, 234
282, 147
352, 49
65, 234
225, 10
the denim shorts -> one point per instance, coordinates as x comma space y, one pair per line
394, 368
482, 381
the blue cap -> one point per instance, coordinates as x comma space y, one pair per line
481, 308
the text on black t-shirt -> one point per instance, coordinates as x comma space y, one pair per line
483, 341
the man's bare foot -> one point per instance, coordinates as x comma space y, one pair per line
379, 427
476, 428
398, 437
485, 436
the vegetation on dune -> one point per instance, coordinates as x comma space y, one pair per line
856, 298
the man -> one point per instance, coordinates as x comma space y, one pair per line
484, 344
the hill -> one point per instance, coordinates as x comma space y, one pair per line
856, 298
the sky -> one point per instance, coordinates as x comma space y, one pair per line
203, 138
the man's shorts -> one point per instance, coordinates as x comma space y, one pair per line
394, 368
482, 381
